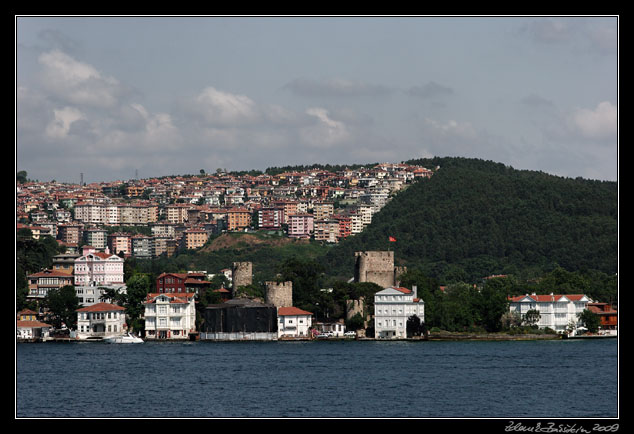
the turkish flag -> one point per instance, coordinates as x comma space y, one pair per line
392, 239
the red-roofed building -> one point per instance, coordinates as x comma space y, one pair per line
557, 311
293, 322
100, 321
95, 268
607, 314
42, 282
170, 315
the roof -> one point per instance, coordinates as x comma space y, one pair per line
545, 298
391, 289
100, 307
175, 297
287, 311
31, 324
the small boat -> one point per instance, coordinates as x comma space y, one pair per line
128, 338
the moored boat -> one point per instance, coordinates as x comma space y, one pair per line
128, 338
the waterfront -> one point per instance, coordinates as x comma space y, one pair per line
340, 379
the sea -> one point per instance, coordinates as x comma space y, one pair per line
319, 379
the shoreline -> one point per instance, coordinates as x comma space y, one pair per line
438, 337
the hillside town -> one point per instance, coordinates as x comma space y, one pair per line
161, 216
182, 212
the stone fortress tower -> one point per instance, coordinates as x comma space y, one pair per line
241, 275
377, 267
279, 294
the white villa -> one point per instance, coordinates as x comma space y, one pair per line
556, 311
293, 322
392, 307
100, 320
170, 315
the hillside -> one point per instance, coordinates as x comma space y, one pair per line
475, 218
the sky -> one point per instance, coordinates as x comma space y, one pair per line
105, 98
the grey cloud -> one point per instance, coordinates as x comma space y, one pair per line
430, 90
534, 100
335, 88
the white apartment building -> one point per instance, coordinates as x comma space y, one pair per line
293, 322
556, 312
392, 307
170, 315
100, 320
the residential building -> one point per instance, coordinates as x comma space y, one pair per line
270, 218
300, 225
142, 247
392, 308
194, 238
65, 262
557, 312
177, 213
345, 225
323, 210
293, 322
120, 242
100, 320
28, 327
91, 295
335, 329
41, 283
97, 268
326, 230
69, 233
607, 314
96, 237
169, 316
238, 219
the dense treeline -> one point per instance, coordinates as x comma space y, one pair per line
475, 218
325, 167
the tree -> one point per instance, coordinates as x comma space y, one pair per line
138, 286
413, 326
590, 320
532, 317
62, 305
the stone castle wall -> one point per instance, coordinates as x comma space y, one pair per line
242, 274
376, 267
279, 294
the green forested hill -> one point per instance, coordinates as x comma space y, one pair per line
474, 218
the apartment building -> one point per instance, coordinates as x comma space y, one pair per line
238, 219
326, 230
301, 225
270, 218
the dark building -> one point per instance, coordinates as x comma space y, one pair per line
239, 319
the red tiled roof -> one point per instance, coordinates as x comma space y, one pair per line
548, 297
30, 324
100, 307
286, 311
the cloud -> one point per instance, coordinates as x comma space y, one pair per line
335, 88
536, 101
75, 82
63, 119
326, 132
430, 90
597, 124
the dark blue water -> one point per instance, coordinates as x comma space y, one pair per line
549, 379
